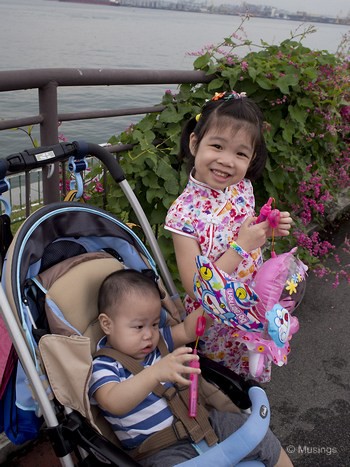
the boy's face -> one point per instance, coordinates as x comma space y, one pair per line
133, 327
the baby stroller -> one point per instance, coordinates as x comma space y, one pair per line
51, 276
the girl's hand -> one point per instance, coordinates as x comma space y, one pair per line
173, 366
252, 235
284, 226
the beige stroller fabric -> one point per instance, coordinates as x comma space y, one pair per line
68, 361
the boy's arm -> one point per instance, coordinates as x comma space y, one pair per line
185, 332
121, 398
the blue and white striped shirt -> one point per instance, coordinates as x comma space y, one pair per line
148, 417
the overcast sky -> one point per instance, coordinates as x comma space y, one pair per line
327, 7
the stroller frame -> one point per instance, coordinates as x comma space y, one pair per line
74, 431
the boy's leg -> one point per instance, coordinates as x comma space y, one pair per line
168, 457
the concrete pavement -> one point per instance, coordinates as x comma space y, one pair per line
310, 396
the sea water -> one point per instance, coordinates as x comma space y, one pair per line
53, 34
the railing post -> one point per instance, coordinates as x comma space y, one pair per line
49, 135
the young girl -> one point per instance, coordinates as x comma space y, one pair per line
214, 216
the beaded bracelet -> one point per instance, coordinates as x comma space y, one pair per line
239, 250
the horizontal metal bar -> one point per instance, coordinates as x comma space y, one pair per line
13, 80
18, 122
66, 117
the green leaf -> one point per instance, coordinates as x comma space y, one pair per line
297, 114
172, 186
201, 62
216, 84
285, 81
252, 72
264, 83
170, 115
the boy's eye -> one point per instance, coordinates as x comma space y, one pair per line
156, 325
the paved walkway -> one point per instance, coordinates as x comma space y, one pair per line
310, 396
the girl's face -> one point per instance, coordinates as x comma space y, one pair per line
133, 328
222, 157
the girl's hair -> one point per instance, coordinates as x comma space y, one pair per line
126, 281
240, 112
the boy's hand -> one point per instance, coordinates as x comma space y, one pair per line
173, 366
284, 226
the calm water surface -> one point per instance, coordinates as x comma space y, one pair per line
53, 34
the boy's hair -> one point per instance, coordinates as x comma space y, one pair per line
126, 281
241, 113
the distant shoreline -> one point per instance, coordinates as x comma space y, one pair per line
226, 10
287, 17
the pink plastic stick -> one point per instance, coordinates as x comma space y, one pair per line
192, 405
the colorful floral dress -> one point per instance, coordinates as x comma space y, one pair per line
214, 218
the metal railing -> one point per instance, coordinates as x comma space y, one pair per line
47, 82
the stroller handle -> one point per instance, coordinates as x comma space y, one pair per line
45, 155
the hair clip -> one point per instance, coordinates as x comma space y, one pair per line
218, 95
198, 116
228, 95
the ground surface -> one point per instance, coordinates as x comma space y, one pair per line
310, 397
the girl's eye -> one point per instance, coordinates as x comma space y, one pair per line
156, 325
216, 146
242, 154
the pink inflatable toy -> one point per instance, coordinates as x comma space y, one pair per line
281, 279
259, 313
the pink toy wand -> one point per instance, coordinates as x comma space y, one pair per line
273, 216
193, 395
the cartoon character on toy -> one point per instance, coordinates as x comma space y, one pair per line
259, 313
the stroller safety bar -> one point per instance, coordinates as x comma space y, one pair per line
243, 441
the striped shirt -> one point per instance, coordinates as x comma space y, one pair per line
148, 417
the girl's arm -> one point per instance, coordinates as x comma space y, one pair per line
250, 237
121, 398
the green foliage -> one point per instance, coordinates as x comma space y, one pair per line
301, 93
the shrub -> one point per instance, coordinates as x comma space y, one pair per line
304, 95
